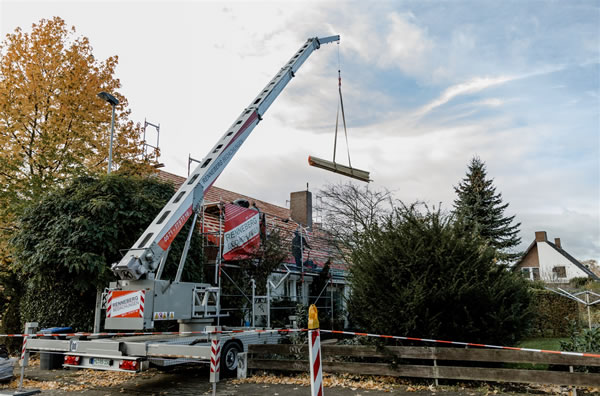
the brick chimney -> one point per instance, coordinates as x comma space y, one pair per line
301, 208
540, 236
557, 243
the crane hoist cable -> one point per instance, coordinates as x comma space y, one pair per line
337, 117
334, 166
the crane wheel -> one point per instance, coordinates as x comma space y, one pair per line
229, 358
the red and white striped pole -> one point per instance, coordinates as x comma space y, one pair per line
314, 352
30, 328
215, 358
23, 350
23, 362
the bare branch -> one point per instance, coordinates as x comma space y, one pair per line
350, 209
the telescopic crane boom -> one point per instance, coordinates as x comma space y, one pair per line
146, 254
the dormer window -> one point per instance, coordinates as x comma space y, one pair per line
559, 272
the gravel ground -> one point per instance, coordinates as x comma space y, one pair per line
193, 380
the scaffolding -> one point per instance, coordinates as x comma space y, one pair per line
281, 285
155, 148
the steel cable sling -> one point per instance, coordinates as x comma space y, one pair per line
333, 166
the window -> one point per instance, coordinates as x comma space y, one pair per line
559, 272
530, 273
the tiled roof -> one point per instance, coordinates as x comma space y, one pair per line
216, 194
321, 244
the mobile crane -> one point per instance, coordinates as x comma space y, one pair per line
141, 297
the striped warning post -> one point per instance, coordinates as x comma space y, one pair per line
316, 372
314, 352
23, 349
215, 359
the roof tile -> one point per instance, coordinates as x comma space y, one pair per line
278, 218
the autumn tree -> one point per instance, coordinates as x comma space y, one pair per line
482, 210
52, 123
53, 126
349, 209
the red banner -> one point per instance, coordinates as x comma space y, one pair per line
168, 238
125, 304
242, 232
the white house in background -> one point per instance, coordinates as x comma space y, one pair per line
548, 262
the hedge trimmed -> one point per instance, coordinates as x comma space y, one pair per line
552, 313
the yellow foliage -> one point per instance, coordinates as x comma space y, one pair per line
52, 124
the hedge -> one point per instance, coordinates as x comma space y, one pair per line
552, 314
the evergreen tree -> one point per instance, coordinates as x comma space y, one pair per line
419, 274
66, 243
482, 211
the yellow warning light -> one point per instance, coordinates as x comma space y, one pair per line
313, 317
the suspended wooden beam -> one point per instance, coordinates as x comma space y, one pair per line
337, 168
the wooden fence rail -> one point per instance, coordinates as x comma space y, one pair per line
446, 363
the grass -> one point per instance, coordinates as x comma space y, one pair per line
550, 344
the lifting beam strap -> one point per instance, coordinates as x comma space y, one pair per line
341, 106
333, 166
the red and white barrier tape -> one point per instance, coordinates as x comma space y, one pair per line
148, 333
283, 331
461, 343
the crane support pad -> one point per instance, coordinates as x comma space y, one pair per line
337, 168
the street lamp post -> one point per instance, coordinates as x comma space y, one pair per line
113, 102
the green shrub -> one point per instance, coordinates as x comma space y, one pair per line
582, 340
66, 243
420, 274
58, 306
10, 298
552, 314
579, 282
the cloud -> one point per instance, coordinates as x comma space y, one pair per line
577, 231
407, 45
472, 86
426, 86
380, 37
478, 84
490, 102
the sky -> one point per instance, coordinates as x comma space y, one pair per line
427, 85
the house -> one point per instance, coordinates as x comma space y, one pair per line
293, 281
549, 262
